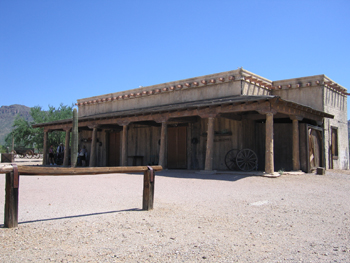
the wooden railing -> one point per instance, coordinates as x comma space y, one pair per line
13, 173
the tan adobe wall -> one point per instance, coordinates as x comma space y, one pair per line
321, 93
306, 91
163, 98
198, 88
252, 89
212, 86
336, 103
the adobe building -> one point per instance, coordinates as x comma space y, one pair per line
229, 120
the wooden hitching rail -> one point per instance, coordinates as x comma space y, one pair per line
13, 172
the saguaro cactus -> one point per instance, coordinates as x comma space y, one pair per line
74, 151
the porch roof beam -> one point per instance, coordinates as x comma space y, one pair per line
267, 104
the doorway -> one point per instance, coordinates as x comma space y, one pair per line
315, 148
177, 147
114, 149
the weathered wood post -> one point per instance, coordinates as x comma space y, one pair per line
74, 151
11, 198
148, 189
66, 147
45, 147
163, 140
269, 157
92, 161
124, 148
210, 144
296, 154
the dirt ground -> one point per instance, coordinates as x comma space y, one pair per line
228, 217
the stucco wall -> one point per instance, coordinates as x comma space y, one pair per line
308, 96
162, 98
252, 89
230, 83
336, 104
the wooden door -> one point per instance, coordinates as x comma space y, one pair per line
114, 149
177, 147
315, 148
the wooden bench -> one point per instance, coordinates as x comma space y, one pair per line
13, 172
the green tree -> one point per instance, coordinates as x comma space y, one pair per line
27, 136
21, 132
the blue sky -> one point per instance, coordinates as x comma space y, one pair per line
54, 52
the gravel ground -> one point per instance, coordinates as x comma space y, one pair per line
196, 218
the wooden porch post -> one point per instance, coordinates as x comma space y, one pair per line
163, 140
296, 155
93, 147
124, 150
45, 147
269, 158
210, 145
125, 145
66, 147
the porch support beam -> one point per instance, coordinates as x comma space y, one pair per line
269, 155
163, 140
45, 147
66, 147
93, 147
296, 154
125, 146
210, 144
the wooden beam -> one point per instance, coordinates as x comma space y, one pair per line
296, 154
66, 148
45, 148
53, 171
210, 145
205, 110
93, 147
269, 155
163, 140
124, 153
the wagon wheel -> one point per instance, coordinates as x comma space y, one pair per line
247, 160
230, 159
29, 154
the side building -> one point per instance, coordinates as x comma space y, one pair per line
229, 120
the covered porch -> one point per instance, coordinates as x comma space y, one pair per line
197, 135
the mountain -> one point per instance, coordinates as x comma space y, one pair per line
7, 116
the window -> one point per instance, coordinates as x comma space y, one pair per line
334, 145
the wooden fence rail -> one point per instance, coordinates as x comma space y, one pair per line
13, 173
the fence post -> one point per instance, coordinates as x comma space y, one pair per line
11, 200
148, 189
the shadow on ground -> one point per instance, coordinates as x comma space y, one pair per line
219, 175
76, 216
